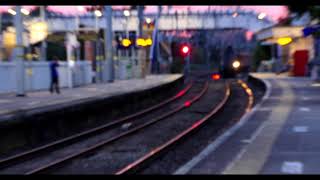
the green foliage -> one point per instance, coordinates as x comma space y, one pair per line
260, 53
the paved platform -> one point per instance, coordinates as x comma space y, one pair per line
280, 135
10, 104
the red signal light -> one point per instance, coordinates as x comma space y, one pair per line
185, 49
216, 76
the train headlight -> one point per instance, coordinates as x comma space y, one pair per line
236, 64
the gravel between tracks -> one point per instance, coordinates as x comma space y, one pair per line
191, 146
115, 156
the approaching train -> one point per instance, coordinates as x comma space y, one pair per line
234, 66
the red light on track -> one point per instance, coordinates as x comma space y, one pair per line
216, 76
180, 93
187, 104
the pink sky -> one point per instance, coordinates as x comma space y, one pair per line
274, 12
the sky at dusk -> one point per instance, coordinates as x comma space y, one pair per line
273, 12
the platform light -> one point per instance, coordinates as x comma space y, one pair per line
234, 15
262, 16
140, 42
126, 42
25, 11
81, 8
148, 20
12, 12
144, 42
148, 42
284, 41
126, 13
98, 13
236, 64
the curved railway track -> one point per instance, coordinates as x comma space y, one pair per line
119, 129
157, 151
22, 157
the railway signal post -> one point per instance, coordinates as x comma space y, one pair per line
185, 50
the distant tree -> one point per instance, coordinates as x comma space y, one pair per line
260, 53
299, 9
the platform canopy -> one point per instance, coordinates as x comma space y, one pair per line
271, 35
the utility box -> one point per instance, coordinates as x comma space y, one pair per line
300, 62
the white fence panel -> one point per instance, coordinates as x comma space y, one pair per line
37, 75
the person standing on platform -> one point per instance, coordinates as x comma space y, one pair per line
54, 75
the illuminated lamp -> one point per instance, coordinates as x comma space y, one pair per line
216, 76
148, 42
126, 42
236, 64
284, 41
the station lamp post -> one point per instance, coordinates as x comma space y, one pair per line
98, 14
19, 54
19, 51
43, 51
108, 43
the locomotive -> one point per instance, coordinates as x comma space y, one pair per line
235, 66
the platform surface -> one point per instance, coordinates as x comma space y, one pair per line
9, 103
280, 136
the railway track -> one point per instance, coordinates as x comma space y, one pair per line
155, 152
170, 157
121, 153
13, 165
121, 129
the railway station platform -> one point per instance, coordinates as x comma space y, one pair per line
279, 136
41, 116
44, 100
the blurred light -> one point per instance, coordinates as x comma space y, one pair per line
284, 41
216, 76
126, 42
11, 11
249, 35
81, 8
126, 13
148, 20
25, 11
181, 93
262, 15
187, 104
235, 15
236, 64
71, 63
144, 42
149, 42
185, 49
141, 42
97, 13
38, 32
315, 85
